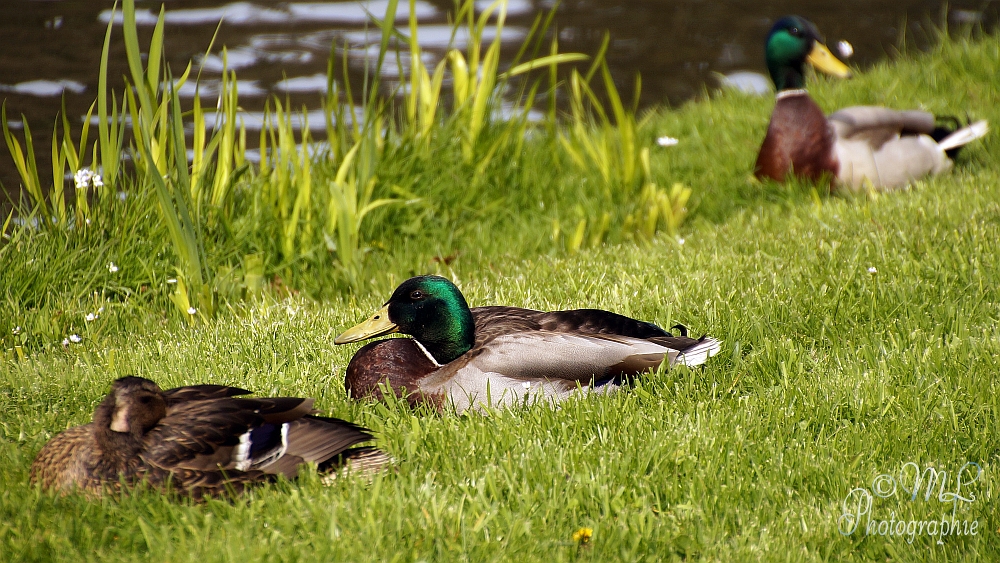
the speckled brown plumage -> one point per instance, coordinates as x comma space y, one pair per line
199, 440
799, 140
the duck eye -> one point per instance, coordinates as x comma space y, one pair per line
416, 295
795, 31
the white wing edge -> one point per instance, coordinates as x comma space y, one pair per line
965, 135
700, 353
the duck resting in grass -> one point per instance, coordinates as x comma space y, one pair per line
856, 147
202, 440
502, 356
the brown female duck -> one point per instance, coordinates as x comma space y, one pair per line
202, 439
501, 356
856, 146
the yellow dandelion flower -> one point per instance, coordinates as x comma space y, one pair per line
583, 535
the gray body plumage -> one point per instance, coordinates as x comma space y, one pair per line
887, 149
543, 366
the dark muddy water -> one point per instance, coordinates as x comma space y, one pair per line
52, 48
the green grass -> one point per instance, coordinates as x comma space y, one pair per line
829, 375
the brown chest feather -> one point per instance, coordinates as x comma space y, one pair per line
397, 362
799, 140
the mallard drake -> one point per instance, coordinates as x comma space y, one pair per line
201, 439
501, 356
856, 146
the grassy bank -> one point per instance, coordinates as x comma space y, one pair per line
859, 335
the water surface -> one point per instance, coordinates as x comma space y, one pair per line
51, 49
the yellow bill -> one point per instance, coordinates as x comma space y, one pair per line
823, 60
378, 325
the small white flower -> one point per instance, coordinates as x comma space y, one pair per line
171, 280
91, 317
88, 220
872, 270
666, 141
112, 268
82, 178
17, 330
98, 182
192, 311
526, 385
845, 48
75, 338
65, 342
680, 241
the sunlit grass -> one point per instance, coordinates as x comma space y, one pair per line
830, 376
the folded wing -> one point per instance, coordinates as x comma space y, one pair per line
531, 365
269, 435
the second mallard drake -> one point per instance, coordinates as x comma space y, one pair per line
855, 147
502, 356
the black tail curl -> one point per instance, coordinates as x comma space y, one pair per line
946, 125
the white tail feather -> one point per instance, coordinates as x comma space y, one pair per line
699, 353
241, 454
363, 462
965, 135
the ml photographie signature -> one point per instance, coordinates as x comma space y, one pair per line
946, 494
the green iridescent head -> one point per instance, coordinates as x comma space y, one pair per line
793, 42
431, 310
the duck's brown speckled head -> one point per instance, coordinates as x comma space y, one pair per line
134, 406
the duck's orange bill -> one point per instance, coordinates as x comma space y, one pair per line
823, 60
378, 325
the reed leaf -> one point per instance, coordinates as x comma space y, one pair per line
24, 161
57, 194
542, 62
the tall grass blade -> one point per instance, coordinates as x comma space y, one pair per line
24, 161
